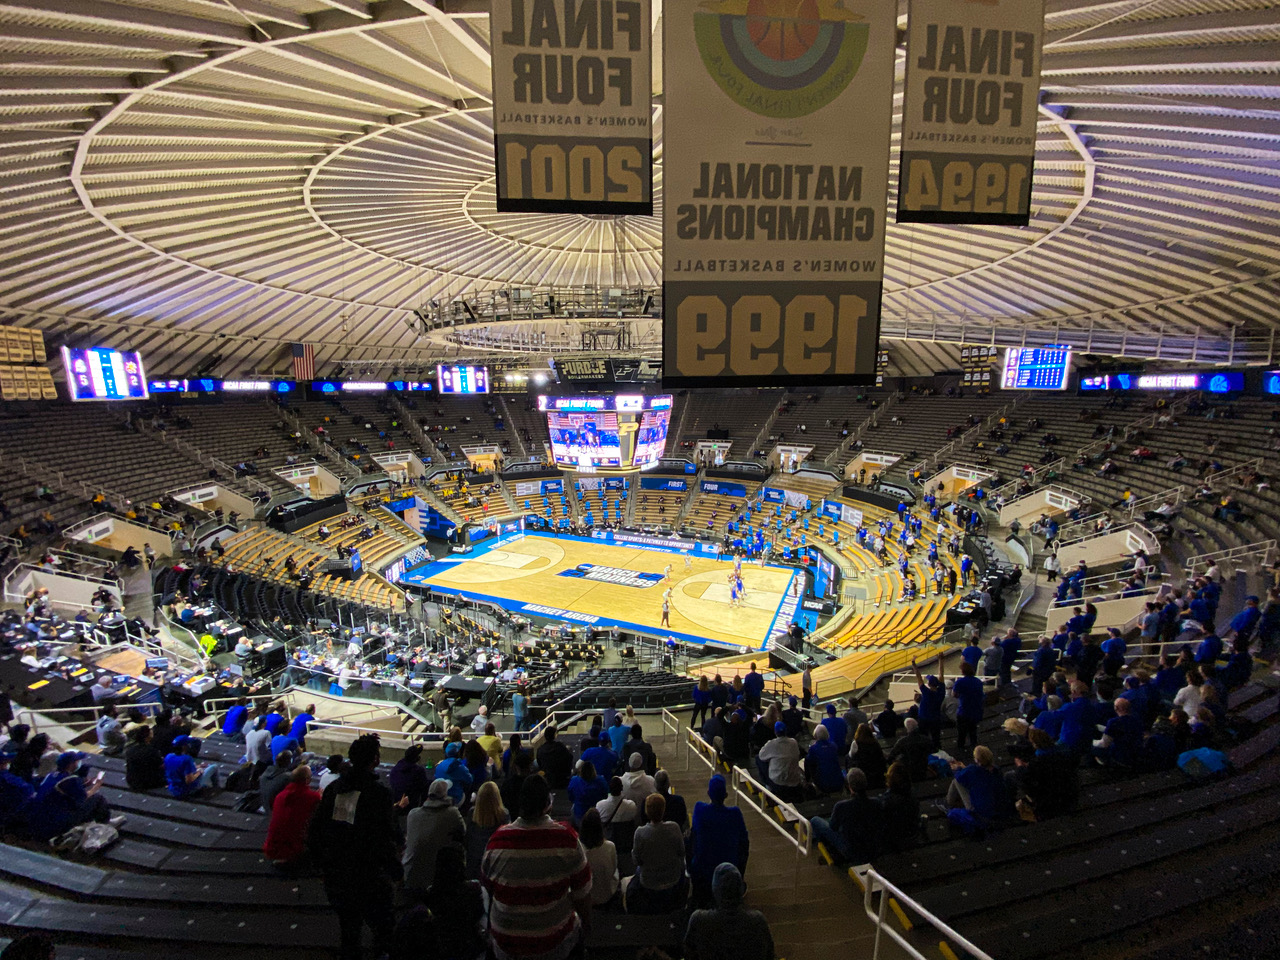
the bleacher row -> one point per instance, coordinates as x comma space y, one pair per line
1139, 857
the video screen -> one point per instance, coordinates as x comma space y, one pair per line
1037, 368
651, 439
454, 379
586, 439
100, 373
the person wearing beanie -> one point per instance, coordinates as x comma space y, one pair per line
729, 929
782, 757
63, 800
636, 784
428, 830
718, 835
837, 727
455, 770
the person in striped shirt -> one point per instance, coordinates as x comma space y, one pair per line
537, 874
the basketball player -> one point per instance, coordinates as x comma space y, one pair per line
688, 561
742, 587
666, 574
733, 592
666, 612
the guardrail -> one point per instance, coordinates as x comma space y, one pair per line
1264, 551
752, 793
873, 883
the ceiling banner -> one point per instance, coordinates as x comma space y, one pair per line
775, 170
970, 110
571, 106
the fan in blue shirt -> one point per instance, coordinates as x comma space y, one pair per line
1209, 649
1077, 719
282, 741
234, 720
602, 759
836, 727
298, 729
274, 719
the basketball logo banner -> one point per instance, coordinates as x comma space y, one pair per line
970, 109
775, 178
572, 111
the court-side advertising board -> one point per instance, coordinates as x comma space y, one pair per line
775, 168
572, 109
970, 108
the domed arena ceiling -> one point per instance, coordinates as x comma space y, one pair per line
219, 178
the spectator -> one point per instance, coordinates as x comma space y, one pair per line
887, 722
718, 835
837, 727
455, 770
233, 723
300, 725
728, 932
143, 764
617, 813
677, 811
274, 779
822, 763
332, 771
536, 859
1010, 646
554, 760
701, 702
352, 836
932, 695
1122, 738
257, 747
515, 748
637, 745
487, 815
111, 740
183, 775
408, 778
913, 749
457, 907
602, 758
866, 755
970, 698
636, 784
992, 658
15, 795
586, 789
780, 759
659, 884
901, 810
63, 800
602, 855
290, 816
428, 830
976, 798
853, 833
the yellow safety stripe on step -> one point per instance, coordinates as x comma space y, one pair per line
945, 949
901, 914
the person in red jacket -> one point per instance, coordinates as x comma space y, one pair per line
290, 816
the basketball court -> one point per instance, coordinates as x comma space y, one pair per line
600, 584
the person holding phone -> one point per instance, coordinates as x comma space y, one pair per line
64, 800
183, 775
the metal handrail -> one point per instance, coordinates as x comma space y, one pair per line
1266, 548
873, 882
801, 836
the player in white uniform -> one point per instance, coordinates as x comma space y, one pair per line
688, 560
666, 574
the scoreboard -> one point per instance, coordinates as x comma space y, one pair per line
1036, 368
100, 373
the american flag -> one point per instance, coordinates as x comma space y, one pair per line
304, 361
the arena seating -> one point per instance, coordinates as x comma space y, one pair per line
741, 413
708, 513
658, 508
